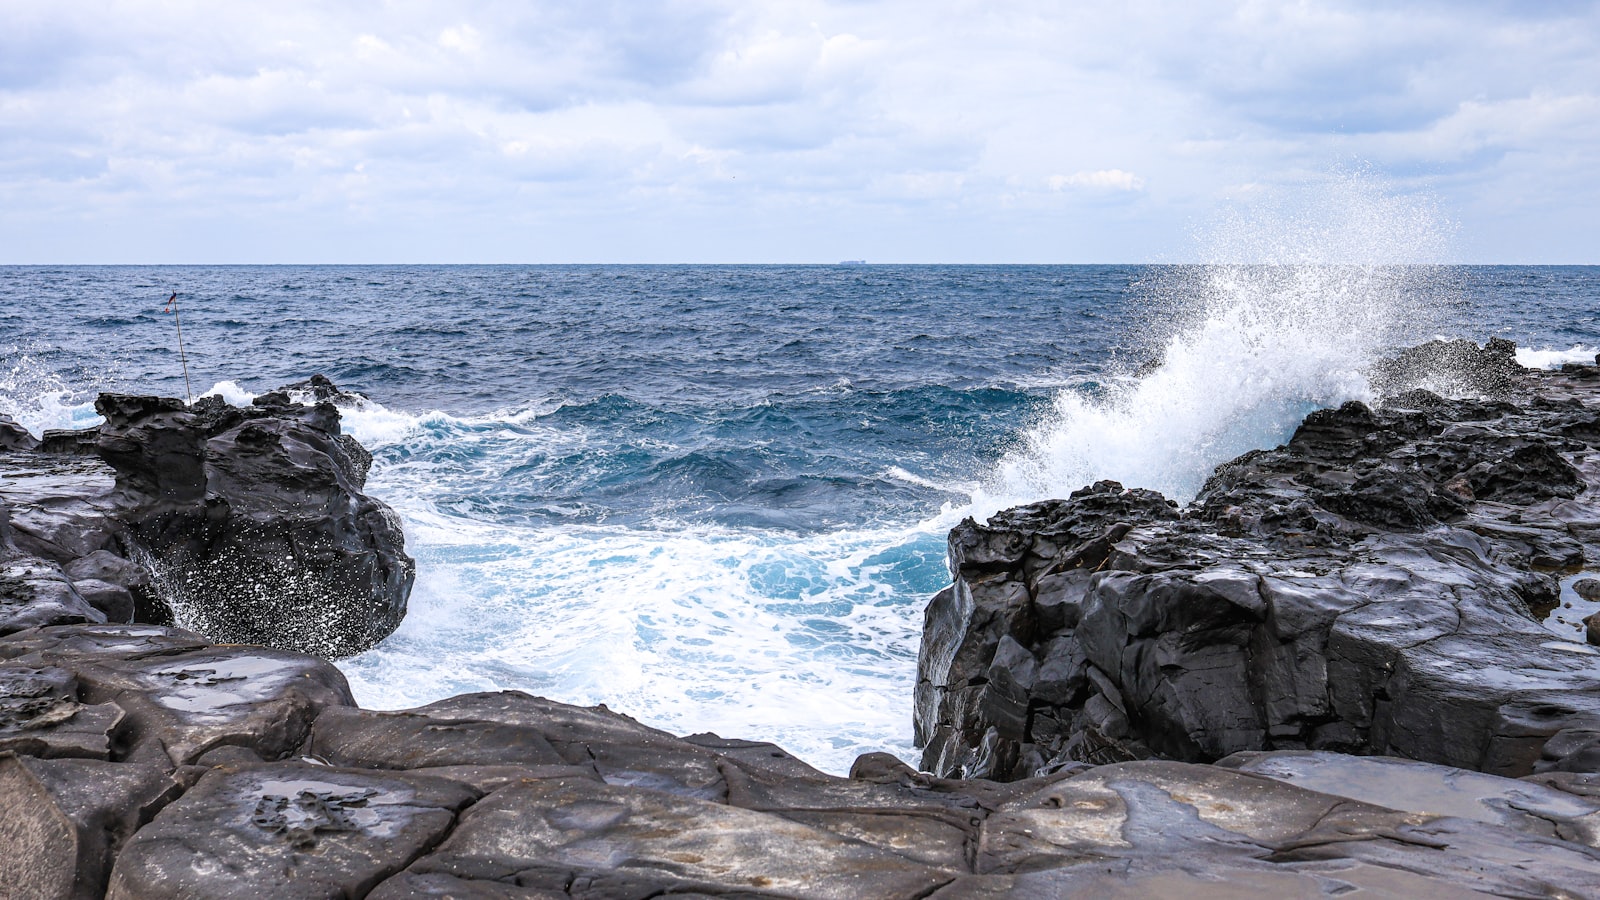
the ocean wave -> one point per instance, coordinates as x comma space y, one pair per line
686, 521
35, 395
1535, 358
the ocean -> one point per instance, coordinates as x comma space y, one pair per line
715, 498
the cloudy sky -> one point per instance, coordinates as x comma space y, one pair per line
803, 131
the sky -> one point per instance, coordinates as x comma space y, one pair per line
795, 131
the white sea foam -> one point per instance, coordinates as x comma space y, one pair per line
231, 393
803, 640
1550, 358
797, 640
810, 639
1302, 293
36, 397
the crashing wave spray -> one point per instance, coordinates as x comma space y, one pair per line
36, 397
1302, 291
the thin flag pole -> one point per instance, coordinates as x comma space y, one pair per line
178, 320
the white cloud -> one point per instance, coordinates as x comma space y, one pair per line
714, 129
463, 38
1101, 179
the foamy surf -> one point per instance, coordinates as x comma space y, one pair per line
806, 640
38, 399
802, 642
1535, 358
736, 518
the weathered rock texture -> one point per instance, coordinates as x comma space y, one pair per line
1375, 586
141, 761
248, 525
160, 766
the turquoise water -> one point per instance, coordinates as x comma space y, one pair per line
715, 498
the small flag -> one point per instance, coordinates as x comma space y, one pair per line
170, 300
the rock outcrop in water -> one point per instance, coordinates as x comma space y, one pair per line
247, 524
1375, 586
142, 761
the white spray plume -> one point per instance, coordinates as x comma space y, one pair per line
1301, 291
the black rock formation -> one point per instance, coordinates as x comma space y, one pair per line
248, 525
1375, 586
142, 761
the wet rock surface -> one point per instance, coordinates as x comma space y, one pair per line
246, 524
145, 761
64, 821
1378, 585
509, 795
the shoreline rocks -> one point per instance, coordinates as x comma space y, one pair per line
247, 524
1375, 586
145, 761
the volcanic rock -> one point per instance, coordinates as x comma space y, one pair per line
145, 761
175, 696
287, 830
246, 524
508, 795
14, 437
263, 507
1374, 586
64, 821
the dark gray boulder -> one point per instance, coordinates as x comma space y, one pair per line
248, 525
14, 437
180, 696
108, 581
63, 821
509, 795
1458, 367
36, 593
1377, 585
58, 508
252, 521
403, 740
42, 714
570, 835
55, 531
1166, 825
1418, 787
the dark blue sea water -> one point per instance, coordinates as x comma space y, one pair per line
715, 498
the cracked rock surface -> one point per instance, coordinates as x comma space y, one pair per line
600, 806
145, 761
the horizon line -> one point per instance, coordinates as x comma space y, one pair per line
841, 264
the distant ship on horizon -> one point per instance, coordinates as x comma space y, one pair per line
852, 262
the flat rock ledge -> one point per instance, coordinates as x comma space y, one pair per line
145, 761
140, 761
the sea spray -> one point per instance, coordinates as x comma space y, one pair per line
722, 516
1302, 291
37, 396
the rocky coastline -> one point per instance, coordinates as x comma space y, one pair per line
1334, 672
1378, 585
